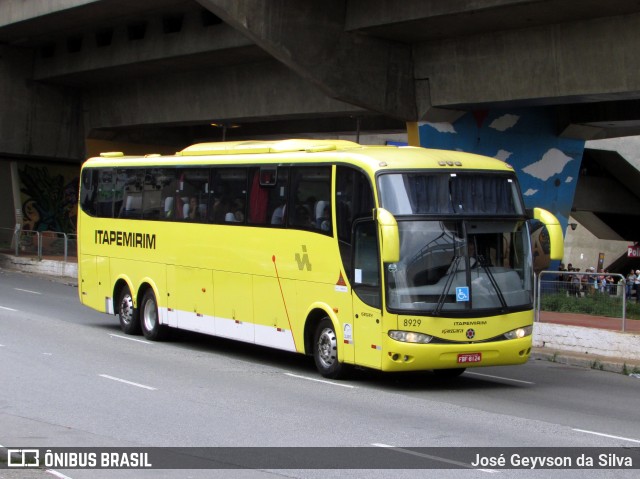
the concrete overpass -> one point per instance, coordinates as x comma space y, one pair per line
160, 72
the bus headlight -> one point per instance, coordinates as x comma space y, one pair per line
410, 337
519, 333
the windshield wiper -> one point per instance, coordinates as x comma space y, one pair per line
443, 295
492, 279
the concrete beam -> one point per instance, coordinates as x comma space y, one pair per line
264, 91
309, 38
552, 64
194, 45
15, 12
596, 226
604, 195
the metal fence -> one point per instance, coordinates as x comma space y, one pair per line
603, 297
41, 244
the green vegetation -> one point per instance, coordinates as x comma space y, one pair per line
594, 305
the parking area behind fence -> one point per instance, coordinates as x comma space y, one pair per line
588, 299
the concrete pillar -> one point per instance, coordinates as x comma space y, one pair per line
15, 190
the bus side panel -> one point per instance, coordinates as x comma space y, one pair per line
104, 287
194, 299
271, 313
88, 282
233, 306
172, 297
367, 333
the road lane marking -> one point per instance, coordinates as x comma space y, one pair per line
128, 382
607, 435
130, 339
434, 458
499, 377
8, 309
26, 291
57, 474
320, 380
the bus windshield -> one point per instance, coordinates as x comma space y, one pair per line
461, 267
464, 244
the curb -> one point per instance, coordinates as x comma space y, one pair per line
600, 363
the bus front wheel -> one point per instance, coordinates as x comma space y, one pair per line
127, 314
151, 327
325, 350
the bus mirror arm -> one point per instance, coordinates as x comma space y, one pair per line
389, 236
554, 228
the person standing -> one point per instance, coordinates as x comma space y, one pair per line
631, 281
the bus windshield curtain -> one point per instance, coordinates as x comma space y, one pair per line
478, 194
428, 194
258, 202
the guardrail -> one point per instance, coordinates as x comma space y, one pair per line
584, 293
20, 242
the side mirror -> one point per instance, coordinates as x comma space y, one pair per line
389, 236
554, 229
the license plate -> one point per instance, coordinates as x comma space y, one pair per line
469, 358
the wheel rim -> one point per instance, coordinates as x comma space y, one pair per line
150, 315
327, 346
126, 309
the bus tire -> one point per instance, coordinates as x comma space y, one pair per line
127, 313
149, 320
325, 350
448, 373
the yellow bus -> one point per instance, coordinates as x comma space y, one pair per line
391, 258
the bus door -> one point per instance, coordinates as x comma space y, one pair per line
365, 279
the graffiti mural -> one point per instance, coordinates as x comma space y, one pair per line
546, 164
49, 197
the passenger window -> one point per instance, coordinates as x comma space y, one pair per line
268, 195
192, 195
310, 198
89, 191
159, 188
128, 193
229, 203
104, 198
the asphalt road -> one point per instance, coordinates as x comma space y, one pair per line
69, 377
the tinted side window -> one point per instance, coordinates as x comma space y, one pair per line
128, 193
229, 193
106, 187
159, 190
311, 198
268, 195
192, 195
354, 199
89, 191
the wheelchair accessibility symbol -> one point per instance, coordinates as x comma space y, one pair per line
462, 293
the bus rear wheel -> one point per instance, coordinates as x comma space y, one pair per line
127, 313
151, 327
325, 350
